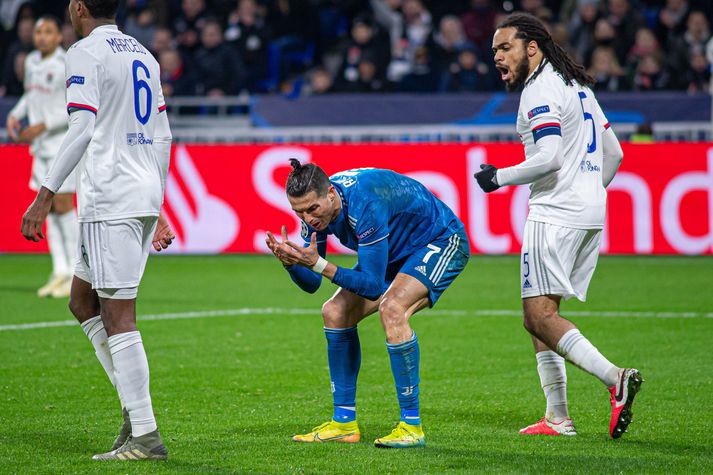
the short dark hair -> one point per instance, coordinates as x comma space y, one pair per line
102, 8
306, 178
51, 19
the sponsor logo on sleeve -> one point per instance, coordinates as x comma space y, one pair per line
75, 80
366, 233
537, 111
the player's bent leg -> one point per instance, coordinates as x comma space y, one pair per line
406, 296
623, 384
341, 314
83, 300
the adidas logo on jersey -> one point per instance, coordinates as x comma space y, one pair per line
421, 269
526, 285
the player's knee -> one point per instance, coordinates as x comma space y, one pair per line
392, 313
82, 310
332, 314
533, 320
529, 324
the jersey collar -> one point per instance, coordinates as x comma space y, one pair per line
539, 69
104, 28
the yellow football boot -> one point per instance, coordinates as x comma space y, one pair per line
403, 436
332, 431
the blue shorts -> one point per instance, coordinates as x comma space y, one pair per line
436, 265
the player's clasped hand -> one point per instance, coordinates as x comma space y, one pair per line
289, 253
487, 178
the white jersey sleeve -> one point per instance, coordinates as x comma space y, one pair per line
543, 118
55, 114
85, 73
20, 110
542, 109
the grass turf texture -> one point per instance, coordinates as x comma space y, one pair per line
229, 391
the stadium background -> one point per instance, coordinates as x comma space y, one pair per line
266, 80
386, 83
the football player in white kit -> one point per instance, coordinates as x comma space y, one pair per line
43, 106
571, 155
116, 115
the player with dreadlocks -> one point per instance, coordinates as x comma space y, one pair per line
571, 156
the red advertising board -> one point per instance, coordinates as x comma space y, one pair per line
223, 198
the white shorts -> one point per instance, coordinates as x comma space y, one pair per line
557, 261
40, 167
113, 254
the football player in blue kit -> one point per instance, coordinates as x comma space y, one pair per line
410, 247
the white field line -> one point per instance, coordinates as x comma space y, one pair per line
311, 311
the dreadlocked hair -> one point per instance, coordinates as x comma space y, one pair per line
306, 178
530, 28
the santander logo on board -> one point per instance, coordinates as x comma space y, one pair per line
203, 223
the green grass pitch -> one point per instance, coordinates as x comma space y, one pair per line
230, 388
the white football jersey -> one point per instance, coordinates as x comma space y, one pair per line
44, 101
113, 76
573, 196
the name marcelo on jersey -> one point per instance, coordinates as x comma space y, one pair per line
125, 45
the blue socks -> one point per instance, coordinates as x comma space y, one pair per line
405, 359
344, 355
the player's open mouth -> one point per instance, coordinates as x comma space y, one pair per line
504, 73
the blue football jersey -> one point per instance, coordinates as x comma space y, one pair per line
381, 204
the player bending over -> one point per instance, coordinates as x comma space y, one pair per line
571, 155
44, 108
115, 104
410, 247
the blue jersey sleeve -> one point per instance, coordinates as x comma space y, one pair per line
372, 225
305, 278
372, 230
367, 279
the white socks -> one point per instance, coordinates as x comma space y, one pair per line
62, 236
94, 328
553, 378
131, 369
578, 350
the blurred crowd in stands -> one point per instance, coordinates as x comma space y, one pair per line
300, 47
